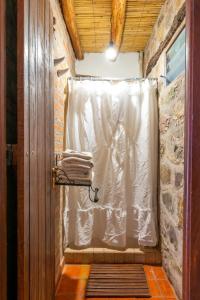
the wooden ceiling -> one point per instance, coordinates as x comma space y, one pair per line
92, 21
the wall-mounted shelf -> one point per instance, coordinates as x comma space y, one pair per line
61, 178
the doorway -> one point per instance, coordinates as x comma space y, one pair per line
191, 272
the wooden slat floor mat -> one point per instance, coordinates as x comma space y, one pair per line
117, 280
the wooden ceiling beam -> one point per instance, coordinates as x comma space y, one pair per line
118, 21
70, 20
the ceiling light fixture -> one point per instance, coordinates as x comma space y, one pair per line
111, 52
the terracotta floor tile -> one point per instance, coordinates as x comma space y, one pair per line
149, 273
159, 273
72, 271
70, 297
67, 285
156, 298
72, 286
154, 288
85, 271
98, 298
152, 298
74, 279
77, 271
166, 289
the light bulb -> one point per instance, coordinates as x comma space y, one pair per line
111, 52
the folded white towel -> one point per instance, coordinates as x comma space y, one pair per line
78, 161
77, 174
79, 177
74, 167
63, 179
73, 153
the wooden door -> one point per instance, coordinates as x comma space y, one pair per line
191, 270
3, 200
35, 151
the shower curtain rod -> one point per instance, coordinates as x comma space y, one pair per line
108, 79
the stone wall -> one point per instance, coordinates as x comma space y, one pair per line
161, 29
171, 108
171, 128
61, 47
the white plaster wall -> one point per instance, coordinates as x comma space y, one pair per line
96, 64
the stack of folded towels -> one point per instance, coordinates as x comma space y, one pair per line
78, 166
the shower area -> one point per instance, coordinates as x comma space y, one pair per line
123, 122
116, 121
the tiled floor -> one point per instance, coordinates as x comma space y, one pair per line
74, 279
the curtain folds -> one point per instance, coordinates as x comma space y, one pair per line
117, 122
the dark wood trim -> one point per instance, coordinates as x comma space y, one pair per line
175, 25
3, 199
191, 270
49, 150
23, 148
36, 275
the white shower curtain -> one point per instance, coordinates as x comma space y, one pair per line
117, 122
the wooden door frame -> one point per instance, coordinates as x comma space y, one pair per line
3, 199
23, 149
27, 286
191, 265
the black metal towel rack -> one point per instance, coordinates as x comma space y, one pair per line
60, 177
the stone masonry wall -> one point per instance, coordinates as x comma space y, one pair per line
61, 47
171, 127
